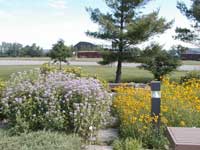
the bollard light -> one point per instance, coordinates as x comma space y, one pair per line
155, 94
155, 100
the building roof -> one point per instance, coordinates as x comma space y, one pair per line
84, 44
192, 51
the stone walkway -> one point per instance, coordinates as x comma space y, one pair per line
97, 147
104, 137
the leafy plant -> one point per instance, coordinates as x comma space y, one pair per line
127, 144
42, 140
190, 75
2, 87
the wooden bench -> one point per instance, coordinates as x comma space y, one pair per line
184, 138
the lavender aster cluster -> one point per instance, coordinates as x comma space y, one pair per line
56, 101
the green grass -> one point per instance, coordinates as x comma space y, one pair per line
189, 62
128, 74
105, 72
6, 71
42, 140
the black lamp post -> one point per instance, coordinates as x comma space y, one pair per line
155, 100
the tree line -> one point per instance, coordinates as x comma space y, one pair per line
18, 50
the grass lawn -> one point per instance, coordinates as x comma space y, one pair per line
189, 62
105, 72
6, 71
42, 140
128, 74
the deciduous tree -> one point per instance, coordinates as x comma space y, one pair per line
60, 52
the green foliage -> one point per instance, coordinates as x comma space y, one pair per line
127, 144
42, 140
176, 51
32, 51
18, 50
150, 138
60, 52
158, 61
190, 75
125, 28
130, 55
2, 87
193, 14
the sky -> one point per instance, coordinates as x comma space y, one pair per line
44, 22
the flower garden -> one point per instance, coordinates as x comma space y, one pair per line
48, 100
180, 107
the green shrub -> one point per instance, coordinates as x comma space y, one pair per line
40, 141
190, 75
151, 139
2, 87
127, 144
48, 68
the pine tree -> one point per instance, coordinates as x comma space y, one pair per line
193, 14
125, 27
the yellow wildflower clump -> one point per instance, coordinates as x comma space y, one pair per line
180, 105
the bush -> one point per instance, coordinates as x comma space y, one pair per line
56, 101
190, 75
180, 107
158, 61
127, 144
47, 68
40, 141
2, 87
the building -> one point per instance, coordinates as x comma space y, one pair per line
85, 46
191, 54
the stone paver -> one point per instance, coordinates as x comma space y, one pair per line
97, 147
107, 135
104, 136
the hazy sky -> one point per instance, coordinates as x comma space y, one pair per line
45, 21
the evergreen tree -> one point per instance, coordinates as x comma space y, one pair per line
158, 61
125, 27
193, 14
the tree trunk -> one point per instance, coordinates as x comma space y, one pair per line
118, 72
60, 65
121, 47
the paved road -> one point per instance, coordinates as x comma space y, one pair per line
78, 63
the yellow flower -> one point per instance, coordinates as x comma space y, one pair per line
182, 123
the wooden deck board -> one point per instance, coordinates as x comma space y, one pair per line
184, 138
